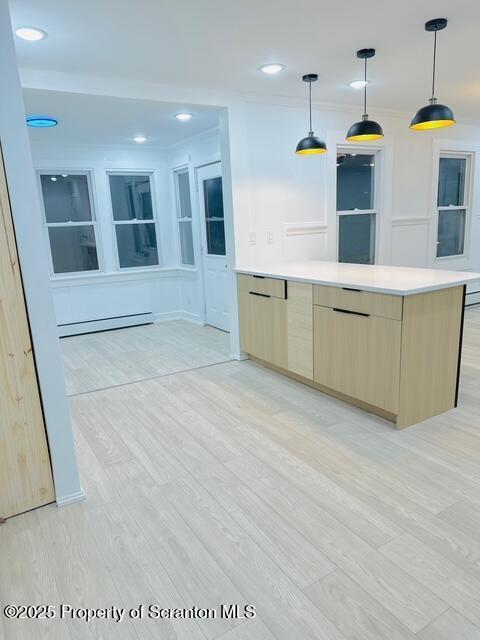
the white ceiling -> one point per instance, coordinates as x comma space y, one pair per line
218, 44
88, 119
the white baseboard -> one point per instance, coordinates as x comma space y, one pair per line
70, 498
165, 316
178, 315
239, 356
192, 317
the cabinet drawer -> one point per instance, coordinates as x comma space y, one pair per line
358, 356
375, 304
267, 286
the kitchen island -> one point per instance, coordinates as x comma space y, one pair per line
386, 339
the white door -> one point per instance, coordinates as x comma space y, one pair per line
213, 245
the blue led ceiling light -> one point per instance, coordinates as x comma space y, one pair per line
41, 122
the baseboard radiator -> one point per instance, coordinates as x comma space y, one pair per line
472, 298
104, 324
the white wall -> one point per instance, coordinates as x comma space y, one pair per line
34, 266
293, 197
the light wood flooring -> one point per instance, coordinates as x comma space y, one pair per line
232, 484
100, 360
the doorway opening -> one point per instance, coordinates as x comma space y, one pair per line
135, 227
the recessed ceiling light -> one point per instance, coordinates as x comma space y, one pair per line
183, 116
358, 84
41, 122
272, 68
53, 178
140, 139
64, 175
30, 33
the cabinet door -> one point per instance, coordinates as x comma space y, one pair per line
358, 355
263, 326
25, 474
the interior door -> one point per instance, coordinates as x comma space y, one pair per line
25, 472
214, 255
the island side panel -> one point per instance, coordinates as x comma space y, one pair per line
431, 334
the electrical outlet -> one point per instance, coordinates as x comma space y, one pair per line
252, 238
270, 237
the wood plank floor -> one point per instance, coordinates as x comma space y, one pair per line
232, 484
100, 360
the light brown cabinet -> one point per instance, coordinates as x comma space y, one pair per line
396, 356
263, 323
358, 355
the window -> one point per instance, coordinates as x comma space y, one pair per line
356, 207
214, 218
452, 204
184, 217
135, 226
70, 222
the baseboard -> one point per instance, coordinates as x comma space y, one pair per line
192, 317
239, 356
70, 498
166, 316
195, 318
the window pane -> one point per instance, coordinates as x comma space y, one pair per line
215, 228
137, 245
451, 233
131, 197
451, 181
73, 249
355, 181
66, 198
213, 197
216, 238
184, 202
356, 241
186, 242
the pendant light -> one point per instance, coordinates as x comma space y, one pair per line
310, 145
365, 129
433, 116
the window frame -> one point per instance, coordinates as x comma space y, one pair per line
150, 173
467, 205
377, 152
179, 220
93, 222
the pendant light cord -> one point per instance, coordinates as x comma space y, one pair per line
365, 88
434, 63
310, 103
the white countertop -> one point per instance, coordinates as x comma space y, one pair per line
401, 281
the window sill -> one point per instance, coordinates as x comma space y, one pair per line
188, 269
112, 277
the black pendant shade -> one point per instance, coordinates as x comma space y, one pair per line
366, 129
311, 145
433, 115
